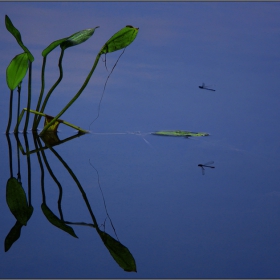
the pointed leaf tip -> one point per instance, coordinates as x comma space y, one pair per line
11, 28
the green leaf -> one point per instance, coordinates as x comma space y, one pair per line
52, 46
13, 235
119, 252
10, 27
180, 133
53, 219
17, 202
16, 70
120, 40
77, 38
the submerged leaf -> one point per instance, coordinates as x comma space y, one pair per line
180, 133
53, 219
119, 252
10, 27
16, 70
53, 127
13, 235
120, 40
17, 202
78, 38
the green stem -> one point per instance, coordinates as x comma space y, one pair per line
29, 97
19, 90
53, 87
35, 123
75, 97
10, 112
44, 115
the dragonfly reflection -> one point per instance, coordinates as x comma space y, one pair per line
207, 164
206, 87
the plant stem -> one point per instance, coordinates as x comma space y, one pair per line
10, 112
19, 90
75, 97
35, 124
53, 87
29, 97
44, 115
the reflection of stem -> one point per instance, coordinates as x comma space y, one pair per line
80, 224
75, 97
78, 184
53, 87
28, 169
42, 169
35, 124
29, 97
18, 174
10, 155
104, 200
10, 112
54, 178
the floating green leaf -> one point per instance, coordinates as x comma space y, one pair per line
180, 133
13, 235
78, 38
53, 219
120, 40
10, 27
16, 70
119, 252
17, 202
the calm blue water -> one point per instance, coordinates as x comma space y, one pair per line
175, 221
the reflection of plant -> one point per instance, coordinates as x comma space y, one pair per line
16, 200
18, 67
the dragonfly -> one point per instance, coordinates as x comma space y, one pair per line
203, 86
207, 164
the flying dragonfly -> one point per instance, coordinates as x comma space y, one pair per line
206, 87
207, 164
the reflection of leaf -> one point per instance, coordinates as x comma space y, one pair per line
50, 138
13, 235
53, 219
10, 27
54, 126
17, 202
119, 252
180, 133
16, 70
120, 40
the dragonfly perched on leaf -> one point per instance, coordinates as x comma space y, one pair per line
207, 164
203, 86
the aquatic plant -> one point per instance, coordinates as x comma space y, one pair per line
19, 65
